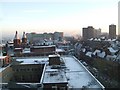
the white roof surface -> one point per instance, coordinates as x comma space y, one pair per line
54, 76
26, 50
33, 60
43, 46
96, 51
55, 55
78, 76
60, 50
88, 54
99, 53
112, 50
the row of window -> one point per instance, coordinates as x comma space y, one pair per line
26, 69
60, 88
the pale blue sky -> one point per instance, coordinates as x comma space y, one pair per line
69, 16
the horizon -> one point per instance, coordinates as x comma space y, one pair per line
68, 16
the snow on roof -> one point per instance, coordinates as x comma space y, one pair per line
96, 51
88, 54
54, 76
83, 49
60, 50
91, 39
18, 48
114, 56
78, 76
43, 46
33, 60
95, 39
99, 39
55, 55
102, 54
26, 50
112, 50
114, 39
108, 40
75, 74
99, 53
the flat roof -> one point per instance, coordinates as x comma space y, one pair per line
73, 72
54, 76
33, 60
43, 46
17, 48
55, 55
78, 75
60, 50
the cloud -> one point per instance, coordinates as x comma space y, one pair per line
59, 1
35, 11
40, 0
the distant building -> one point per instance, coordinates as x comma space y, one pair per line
58, 36
112, 31
104, 35
97, 33
24, 40
119, 20
42, 50
35, 38
17, 41
90, 32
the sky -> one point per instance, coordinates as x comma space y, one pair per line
68, 16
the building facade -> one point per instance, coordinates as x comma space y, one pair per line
36, 38
88, 32
17, 41
4, 61
20, 43
119, 20
112, 31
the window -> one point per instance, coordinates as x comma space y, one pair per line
62, 88
54, 87
28, 69
17, 70
22, 78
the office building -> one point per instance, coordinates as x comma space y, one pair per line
112, 31
119, 20
97, 33
88, 32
